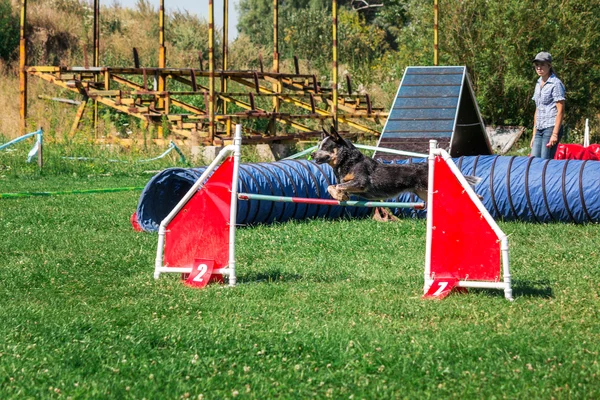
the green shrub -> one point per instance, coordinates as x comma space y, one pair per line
9, 30
497, 41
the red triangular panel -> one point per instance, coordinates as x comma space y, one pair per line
463, 244
201, 228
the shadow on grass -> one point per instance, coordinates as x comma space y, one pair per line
525, 288
270, 276
529, 288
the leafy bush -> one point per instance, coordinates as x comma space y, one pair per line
189, 35
9, 30
307, 34
497, 41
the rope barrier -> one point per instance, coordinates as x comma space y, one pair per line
172, 146
36, 147
34, 150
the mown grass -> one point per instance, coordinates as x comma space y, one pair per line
323, 309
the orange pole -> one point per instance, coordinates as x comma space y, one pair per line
435, 33
211, 71
276, 85
96, 61
162, 63
224, 79
275, 36
334, 92
22, 70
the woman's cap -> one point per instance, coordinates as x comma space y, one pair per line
543, 56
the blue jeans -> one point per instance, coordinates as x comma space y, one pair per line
541, 139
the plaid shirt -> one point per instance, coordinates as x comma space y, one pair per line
545, 100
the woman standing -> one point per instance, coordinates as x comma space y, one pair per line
549, 97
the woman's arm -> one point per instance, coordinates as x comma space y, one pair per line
534, 128
560, 108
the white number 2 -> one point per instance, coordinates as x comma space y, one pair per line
201, 271
441, 288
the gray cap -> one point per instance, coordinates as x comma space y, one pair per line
543, 56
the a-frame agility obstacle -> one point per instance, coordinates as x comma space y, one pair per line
465, 248
435, 103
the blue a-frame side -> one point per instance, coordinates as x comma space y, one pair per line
435, 103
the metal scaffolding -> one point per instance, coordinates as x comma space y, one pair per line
144, 92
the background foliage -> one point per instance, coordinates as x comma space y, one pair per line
9, 30
495, 40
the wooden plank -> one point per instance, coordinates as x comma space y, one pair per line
105, 93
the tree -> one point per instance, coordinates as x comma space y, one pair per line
255, 16
497, 41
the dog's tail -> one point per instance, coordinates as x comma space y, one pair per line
472, 180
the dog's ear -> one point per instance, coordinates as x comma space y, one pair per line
336, 137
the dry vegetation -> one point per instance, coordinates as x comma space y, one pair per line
60, 33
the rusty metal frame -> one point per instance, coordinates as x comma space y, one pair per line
116, 88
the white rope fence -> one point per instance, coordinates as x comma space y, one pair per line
36, 147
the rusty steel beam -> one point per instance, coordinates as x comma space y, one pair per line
46, 69
175, 102
96, 58
276, 36
96, 28
76, 87
211, 70
291, 85
224, 80
277, 84
162, 62
334, 110
78, 117
307, 106
296, 92
435, 32
22, 70
136, 58
169, 72
78, 81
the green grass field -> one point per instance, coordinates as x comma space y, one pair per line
322, 309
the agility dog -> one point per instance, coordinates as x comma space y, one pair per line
367, 178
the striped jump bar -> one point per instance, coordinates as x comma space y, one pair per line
350, 203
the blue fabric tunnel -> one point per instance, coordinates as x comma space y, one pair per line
292, 178
532, 189
512, 188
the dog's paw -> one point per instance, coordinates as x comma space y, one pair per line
337, 194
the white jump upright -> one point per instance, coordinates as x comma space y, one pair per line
199, 233
464, 246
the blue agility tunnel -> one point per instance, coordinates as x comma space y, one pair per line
512, 188
292, 178
532, 189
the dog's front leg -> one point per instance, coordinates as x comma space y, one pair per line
341, 191
336, 193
